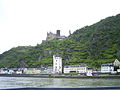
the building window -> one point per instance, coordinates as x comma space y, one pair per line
56, 67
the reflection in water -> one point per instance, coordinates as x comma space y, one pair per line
15, 82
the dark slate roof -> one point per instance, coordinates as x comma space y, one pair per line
107, 64
66, 66
57, 55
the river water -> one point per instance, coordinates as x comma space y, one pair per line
18, 82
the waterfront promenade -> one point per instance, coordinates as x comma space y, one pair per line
61, 76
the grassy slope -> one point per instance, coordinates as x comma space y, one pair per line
91, 45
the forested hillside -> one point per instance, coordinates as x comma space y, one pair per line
91, 45
13, 57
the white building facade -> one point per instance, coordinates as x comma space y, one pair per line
32, 71
75, 69
116, 62
57, 63
107, 68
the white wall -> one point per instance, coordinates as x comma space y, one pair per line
57, 64
76, 69
107, 69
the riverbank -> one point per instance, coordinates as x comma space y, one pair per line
17, 82
60, 76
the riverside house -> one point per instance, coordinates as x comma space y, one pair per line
10, 71
4, 71
32, 71
48, 70
116, 62
107, 68
75, 69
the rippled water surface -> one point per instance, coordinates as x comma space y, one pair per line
15, 82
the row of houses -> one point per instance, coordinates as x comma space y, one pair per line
58, 68
105, 68
80, 69
49, 70
111, 67
20, 71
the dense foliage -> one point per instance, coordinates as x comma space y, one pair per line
91, 45
14, 56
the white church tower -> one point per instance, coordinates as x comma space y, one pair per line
57, 63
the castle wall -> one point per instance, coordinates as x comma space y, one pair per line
57, 36
51, 36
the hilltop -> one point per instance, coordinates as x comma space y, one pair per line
91, 45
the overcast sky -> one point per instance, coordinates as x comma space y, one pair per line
26, 22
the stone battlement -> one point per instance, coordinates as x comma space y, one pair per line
52, 36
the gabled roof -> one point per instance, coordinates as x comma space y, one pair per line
117, 59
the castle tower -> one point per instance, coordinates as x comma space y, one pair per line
57, 63
58, 33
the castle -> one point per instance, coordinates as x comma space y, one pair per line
52, 36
